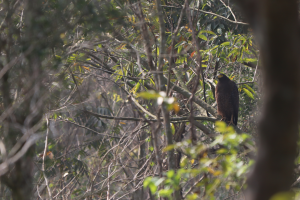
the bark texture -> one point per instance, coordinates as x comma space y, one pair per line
276, 27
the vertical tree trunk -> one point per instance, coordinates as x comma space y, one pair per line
277, 30
29, 112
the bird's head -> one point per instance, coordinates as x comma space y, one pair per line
222, 77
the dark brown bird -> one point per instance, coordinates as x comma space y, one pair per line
227, 97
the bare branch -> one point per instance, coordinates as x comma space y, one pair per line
211, 13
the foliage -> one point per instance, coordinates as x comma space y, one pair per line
226, 167
105, 115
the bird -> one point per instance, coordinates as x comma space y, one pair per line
227, 97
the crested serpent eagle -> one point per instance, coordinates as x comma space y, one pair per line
227, 97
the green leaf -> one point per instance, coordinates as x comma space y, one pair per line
214, 47
283, 196
248, 93
149, 95
242, 50
179, 49
222, 151
50, 147
249, 88
250, 60
225, 44
172, 128
221, 126
136, 87
165, 192
250, 42
192, 197
180, 44
71, 119
203, 37
169, 147
206, 31
148, 182
170, 173
233, 52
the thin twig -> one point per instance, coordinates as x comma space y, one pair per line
15, 61
229, 10
214, 14
44, 156
62, 120
201, 178
4, 167
108, 182
148, 120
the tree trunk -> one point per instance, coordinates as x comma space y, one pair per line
30, 111
276, 26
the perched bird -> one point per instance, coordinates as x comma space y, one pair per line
227, 97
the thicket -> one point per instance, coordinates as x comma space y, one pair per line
115, 99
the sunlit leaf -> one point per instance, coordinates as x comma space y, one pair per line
169, 147
172, 128
249, 88
203, 37
248, 93
282, 196
149, 95
225, 44
209, 32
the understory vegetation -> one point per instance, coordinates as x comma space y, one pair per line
115, 99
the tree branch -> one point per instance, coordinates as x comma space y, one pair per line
214, 14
